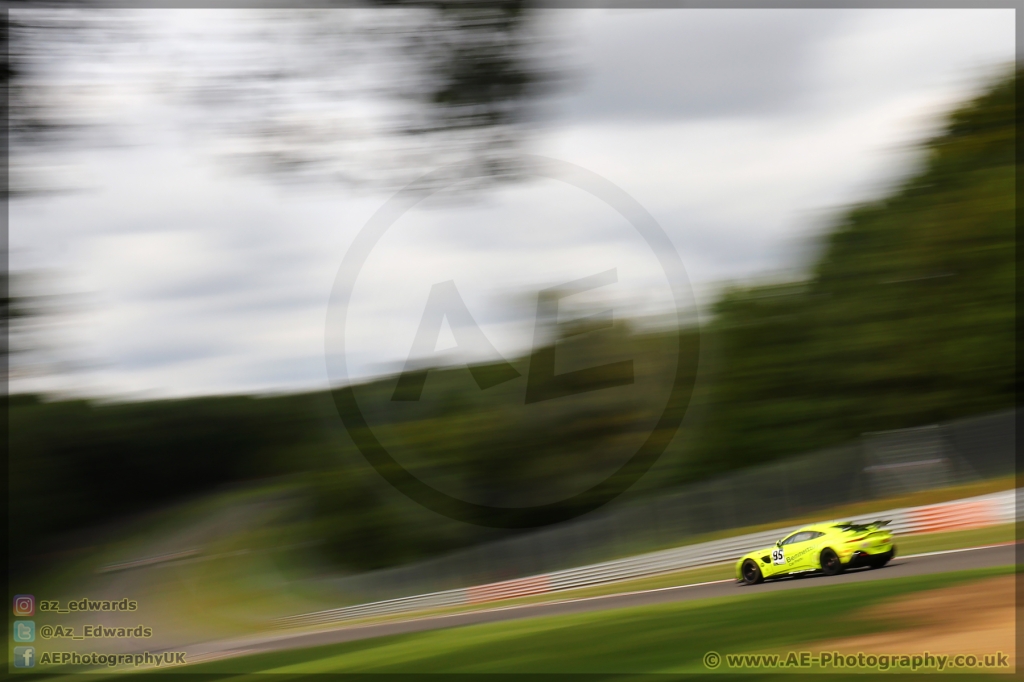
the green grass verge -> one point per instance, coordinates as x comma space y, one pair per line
249, 576
666, 638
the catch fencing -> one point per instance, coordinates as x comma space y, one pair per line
875, 467
976, 512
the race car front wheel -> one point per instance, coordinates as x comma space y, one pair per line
830, 563
751, 573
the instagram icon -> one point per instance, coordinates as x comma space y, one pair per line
24, 605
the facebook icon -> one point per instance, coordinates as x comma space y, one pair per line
24, 657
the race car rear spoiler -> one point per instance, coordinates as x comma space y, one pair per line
859, 527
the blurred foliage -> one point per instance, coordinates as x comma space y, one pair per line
44, 43
104, 461
906, 319
380, 92
30, 120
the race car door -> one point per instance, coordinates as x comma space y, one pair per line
798, 551
781, 562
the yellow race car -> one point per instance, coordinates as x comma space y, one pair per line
829, 548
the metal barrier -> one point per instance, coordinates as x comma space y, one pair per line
975, 512
872, 468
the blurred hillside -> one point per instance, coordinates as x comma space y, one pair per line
906, 319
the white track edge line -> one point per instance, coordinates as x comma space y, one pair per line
954, 551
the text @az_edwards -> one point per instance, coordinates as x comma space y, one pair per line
95, 632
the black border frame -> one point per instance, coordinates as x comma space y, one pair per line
581, 4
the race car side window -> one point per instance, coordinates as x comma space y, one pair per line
798, 537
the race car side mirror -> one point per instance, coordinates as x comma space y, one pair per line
778, 543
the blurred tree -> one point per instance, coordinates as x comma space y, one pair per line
907, 318
42, 41
36, 318
31, 123
375, 93
385, 94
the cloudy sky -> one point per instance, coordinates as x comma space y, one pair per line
742, 132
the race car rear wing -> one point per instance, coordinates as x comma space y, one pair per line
861, 527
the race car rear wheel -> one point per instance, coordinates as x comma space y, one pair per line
751, 573
830, 563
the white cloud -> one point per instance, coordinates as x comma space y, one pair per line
203, 281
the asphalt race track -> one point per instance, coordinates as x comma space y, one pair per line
942, 562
